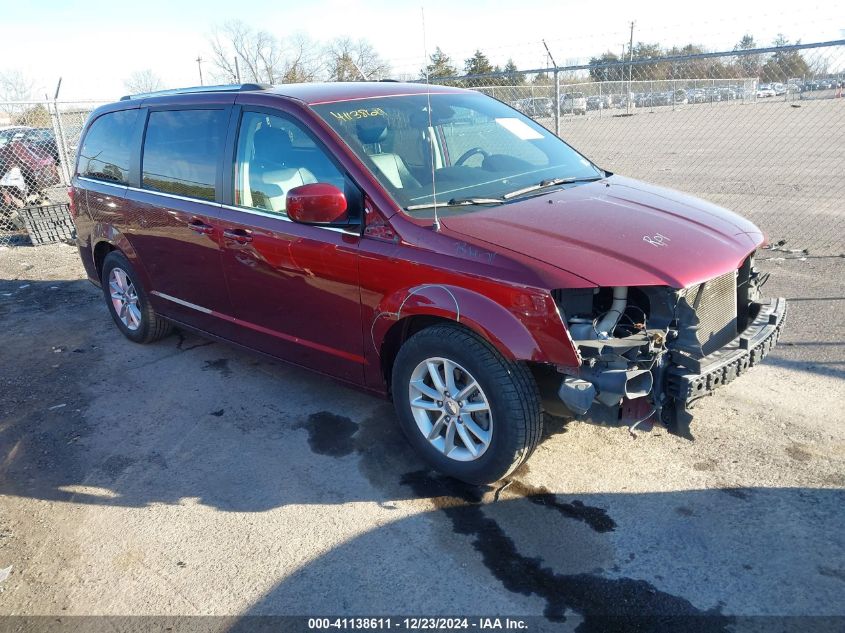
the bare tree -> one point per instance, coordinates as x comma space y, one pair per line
241, 52
142, 81
258, 52
14, 86
351, 60
302, 61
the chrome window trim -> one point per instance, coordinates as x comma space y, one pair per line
175, 196
152, 191
102, 182
275, 216
354, 230
254, 211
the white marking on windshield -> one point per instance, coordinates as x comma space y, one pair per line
519, 128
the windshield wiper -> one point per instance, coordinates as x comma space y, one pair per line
549, 182
455, 202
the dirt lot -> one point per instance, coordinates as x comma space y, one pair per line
189, 477
777, 162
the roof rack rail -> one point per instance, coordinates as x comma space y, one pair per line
198, 89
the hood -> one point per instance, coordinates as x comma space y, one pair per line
618, 232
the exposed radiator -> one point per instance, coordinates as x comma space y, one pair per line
714, 302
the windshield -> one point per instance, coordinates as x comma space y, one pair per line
477, 149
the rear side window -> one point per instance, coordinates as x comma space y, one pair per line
107, 146
182, 150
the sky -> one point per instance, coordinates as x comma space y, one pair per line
95, 46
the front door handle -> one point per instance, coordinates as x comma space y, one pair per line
198, 226
241, 236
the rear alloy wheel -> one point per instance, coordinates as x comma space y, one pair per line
468, 411
124, 298
128, 303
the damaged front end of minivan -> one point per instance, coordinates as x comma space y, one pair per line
649, 352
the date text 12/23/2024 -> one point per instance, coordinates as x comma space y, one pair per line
418, 623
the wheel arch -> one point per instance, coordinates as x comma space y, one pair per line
106, 239
523, 333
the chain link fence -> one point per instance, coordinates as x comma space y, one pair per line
759, 131
38, 141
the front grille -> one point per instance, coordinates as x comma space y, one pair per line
714, 303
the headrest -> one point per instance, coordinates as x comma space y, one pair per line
271, 142
371, 130
439, 113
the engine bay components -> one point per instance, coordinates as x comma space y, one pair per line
635, 341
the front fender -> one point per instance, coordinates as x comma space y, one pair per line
522, 323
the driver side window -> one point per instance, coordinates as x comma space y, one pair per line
274, 156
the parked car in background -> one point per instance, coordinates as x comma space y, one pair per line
765, 91
696, 95
712, 95
42, 139
26, 171
536, 106
45, 139
622, 101
650, 99
13, 132
596, 103
642, 99
779, 89
573, 103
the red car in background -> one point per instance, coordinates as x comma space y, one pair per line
27, 169
429, 244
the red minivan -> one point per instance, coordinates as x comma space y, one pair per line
429, 244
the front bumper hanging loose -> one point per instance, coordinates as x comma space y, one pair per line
695, 378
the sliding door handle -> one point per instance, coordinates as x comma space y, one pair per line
241, 236
198, 226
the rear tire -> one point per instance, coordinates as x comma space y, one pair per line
500, 417
128, 302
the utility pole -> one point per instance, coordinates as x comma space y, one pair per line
199, 65
630, 66
557, 89
237, 70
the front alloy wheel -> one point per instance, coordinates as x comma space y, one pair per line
468, 411
450, 409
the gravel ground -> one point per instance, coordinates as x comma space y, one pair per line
190, 477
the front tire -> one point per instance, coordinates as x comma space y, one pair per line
128, 302
468, 412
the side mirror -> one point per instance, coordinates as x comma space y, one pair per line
316, 203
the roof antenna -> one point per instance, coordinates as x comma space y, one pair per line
430, 124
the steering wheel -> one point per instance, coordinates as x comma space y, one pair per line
469, 154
